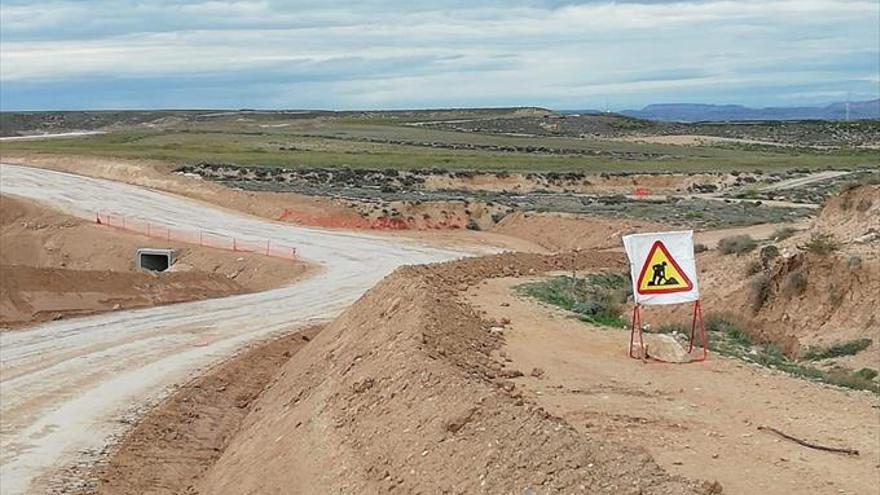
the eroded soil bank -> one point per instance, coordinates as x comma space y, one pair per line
404, 392
170, 448
54, 265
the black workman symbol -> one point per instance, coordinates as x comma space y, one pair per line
659, 277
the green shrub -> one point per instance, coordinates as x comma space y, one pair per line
867, 373
597, 298
738, 244
725, 325
768, 253
822, 244
849, 348
700, 248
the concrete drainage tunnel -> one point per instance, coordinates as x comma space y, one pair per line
156, 260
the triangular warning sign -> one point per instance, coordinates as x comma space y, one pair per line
661, 273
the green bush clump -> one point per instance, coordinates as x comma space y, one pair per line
848, 348
768, 253
725, 325
822, 244
737, 244
867, 374
598, 298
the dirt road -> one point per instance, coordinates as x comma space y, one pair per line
35, 137
803, 181
68, 386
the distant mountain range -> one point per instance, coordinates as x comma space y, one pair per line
690, 112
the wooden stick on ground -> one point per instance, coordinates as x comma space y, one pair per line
808, 444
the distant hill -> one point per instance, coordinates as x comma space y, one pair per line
690, 112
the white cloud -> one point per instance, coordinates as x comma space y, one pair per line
488, 50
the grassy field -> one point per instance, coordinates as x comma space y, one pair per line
380, 142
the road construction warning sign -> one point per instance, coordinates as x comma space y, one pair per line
662, 267
661, 274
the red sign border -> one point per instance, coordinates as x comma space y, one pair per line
659, 245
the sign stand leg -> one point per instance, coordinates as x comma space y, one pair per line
637, 327
704, 341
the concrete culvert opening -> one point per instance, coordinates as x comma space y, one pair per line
157, 260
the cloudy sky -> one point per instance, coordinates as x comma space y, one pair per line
81, 54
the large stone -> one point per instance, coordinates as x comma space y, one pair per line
663, 348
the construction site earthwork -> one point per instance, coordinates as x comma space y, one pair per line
500, 301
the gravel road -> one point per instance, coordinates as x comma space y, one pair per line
67, 386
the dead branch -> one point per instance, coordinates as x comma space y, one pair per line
808, 444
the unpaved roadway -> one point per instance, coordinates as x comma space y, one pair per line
67, 386
803, 181
34, 137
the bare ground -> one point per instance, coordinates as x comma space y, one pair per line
281, 206
441, 379
697, 420
401, 392
54, 265
170, 449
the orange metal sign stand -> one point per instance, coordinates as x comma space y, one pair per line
637, 329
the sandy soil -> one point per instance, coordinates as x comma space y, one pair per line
70, 386
853, 218
806, 299
286, 207
697, 420
591, 184
409, 390
400, 393
55, 265
557, 232
157, 175
184, 435
489, 392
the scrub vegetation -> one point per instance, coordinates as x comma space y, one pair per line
406, 140
598, 298
601, 299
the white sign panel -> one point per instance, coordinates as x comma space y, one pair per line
662, 267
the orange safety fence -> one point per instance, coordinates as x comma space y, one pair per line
200, 237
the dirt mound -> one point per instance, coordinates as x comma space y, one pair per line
810, 299
56, 265
556, 232
852, 217
401, 392
201, 416
399, 215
